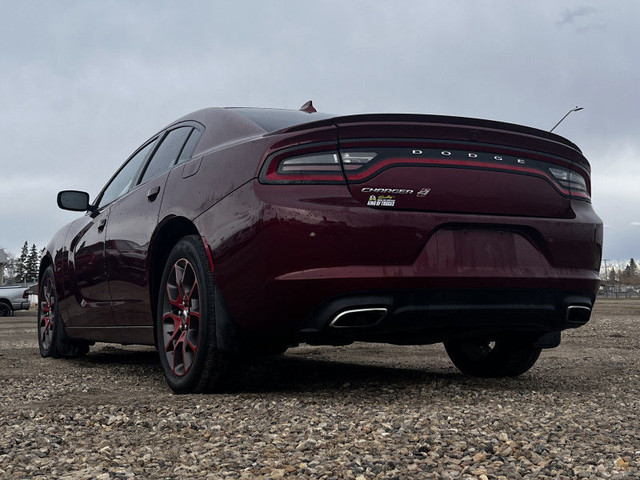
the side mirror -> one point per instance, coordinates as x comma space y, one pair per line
74, 200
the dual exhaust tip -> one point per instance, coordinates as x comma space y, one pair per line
577, 315
358, 318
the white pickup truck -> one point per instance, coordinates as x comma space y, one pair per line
13, 298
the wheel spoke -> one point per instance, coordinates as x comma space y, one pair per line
175, 302
188, 356
178, 356
194, 288
169, 344
47, 330
191, 345
180, 283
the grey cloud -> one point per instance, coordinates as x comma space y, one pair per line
571, 14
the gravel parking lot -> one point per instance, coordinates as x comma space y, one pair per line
363, 411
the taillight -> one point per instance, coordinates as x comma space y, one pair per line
317, 167
355, 160
25, 294
310, 164
319, 162
570, 179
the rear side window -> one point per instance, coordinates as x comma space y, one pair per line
190, 146
121, 183
167, 153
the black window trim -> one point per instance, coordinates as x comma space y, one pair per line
157, 138
147, 161
162, 135
153, 139
198, 127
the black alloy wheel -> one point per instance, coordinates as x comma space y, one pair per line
185, 320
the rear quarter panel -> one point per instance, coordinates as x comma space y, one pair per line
200, 183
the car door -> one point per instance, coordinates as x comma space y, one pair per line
132, 221
87, 251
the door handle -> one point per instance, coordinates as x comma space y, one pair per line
153, 193
101, 224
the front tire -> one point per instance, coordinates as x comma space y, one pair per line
507, 356
52, 339
185, 320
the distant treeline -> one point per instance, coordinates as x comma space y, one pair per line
619, 272
23, 269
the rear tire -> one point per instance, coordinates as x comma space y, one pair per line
507, 356
185, 321
5, 310
52, 338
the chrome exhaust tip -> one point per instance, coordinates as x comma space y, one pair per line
358, 318
577, 315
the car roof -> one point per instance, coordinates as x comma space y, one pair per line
229, 125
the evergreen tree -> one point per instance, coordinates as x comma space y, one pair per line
630, 273
22, 267
633, 268
32, 265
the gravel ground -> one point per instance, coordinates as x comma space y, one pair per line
363, 412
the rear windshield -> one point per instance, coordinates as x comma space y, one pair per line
273, 119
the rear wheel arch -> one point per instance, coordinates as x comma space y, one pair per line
44, 263
164, 239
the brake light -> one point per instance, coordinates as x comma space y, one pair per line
312, 165
326, 162
25, 294
355, 160
569, 179
318, 167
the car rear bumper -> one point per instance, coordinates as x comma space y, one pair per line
292, 250
22, 305
429, 316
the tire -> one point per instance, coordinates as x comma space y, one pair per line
52, 338
507, 356
185, 321
5, 310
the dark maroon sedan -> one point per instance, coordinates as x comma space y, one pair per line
242, 230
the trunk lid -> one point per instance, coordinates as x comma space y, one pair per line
451, 164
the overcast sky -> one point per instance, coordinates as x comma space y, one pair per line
84, 83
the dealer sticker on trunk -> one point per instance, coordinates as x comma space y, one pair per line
381, 201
